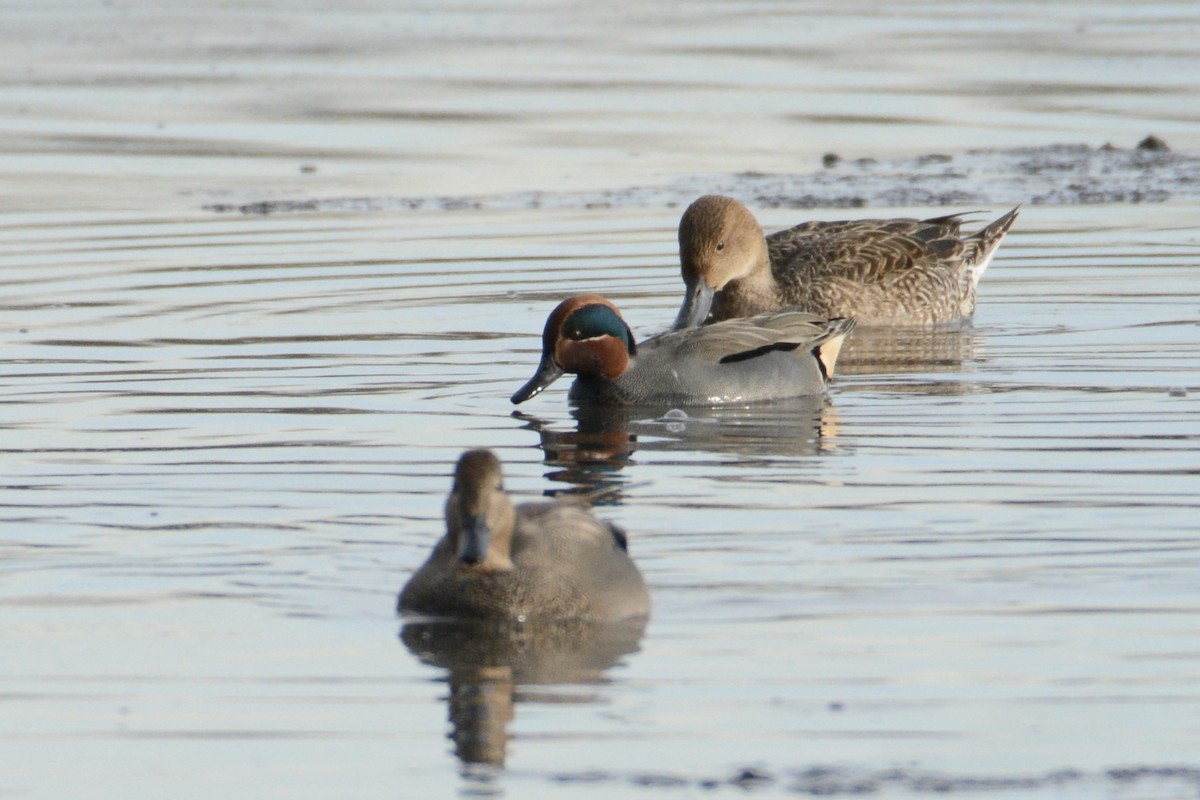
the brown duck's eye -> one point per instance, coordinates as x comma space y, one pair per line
720, 246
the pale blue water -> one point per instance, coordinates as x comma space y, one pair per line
227, 438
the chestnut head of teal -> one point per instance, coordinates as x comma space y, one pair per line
584, 335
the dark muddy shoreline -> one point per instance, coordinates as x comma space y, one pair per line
833, 781
1056, 175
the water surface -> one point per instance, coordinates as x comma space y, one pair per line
227, 437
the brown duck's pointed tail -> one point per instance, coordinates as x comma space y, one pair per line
981, 246
829, 344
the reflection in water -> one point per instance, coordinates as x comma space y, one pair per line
872, 351
591, 456
488, 661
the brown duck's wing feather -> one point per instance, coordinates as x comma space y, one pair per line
864, 251
904, 271
978, 247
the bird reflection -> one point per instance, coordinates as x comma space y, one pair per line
882, 351
591, 456
491, 666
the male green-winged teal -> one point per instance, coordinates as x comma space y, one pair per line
764, 357
548, 561
882, 272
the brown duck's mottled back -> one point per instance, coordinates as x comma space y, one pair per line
881, 271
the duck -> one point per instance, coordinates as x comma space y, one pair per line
551, 561
882, 272
765, 357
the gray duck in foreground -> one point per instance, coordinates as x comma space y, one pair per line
537, 561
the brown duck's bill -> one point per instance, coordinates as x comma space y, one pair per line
697, 301
547, 373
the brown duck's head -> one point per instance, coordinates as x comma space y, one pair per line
719, 241
479, 514
585, 335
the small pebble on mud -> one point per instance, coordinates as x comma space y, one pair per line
1154, 144
751, 776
